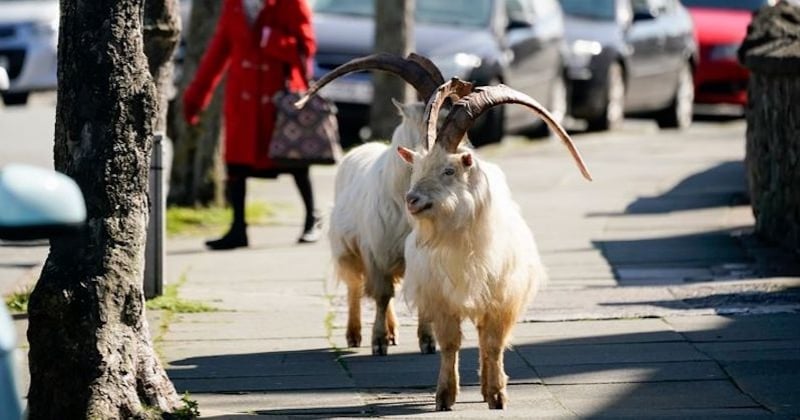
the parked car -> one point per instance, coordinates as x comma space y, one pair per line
720, 28
516, 42
28, 42
630, 57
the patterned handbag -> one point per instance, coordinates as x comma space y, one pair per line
309, 135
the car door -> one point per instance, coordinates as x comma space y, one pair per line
533, 36
646, 38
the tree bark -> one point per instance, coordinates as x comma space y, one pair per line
197, 168
90, 351
394, 33
772, 52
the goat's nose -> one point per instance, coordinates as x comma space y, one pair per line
412, 198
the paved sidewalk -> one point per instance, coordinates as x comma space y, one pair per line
661, 302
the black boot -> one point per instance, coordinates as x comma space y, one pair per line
237, 235
235, 238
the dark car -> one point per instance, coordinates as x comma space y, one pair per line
516, 42
630, 57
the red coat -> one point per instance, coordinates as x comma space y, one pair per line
256, 65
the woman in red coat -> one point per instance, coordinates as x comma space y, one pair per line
264, 45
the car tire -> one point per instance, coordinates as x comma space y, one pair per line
490, 127
557, 104
614, 110
16, 98
679, 112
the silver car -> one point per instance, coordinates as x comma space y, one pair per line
28, 43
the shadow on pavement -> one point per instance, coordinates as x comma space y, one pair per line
685, 367
720, 186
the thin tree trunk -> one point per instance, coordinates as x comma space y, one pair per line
196, 177
90, 351
394, 33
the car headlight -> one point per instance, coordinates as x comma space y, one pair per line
45, 28
723, 52
585, 47
582, 51
457, 65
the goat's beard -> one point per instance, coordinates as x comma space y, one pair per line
448, 217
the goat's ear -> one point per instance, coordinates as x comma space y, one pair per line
407, 155
400, 109
466, 159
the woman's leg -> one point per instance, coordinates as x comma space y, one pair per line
311, 229
236, 190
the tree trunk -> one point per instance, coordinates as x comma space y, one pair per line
394, 33
90, 351
772, 52
196, 177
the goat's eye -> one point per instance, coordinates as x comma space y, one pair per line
449, 171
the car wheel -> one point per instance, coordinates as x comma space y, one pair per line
17, 98
679, 112
557, 105
614, 112
489, 127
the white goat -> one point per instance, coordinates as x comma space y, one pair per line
470, 253
368, 225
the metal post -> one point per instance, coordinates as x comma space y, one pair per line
156, 230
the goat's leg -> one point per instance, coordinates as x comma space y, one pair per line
427, 343
448, 333
494, 331
391, 324
383, 292
350, 270
354, 294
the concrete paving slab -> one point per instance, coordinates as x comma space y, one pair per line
247, 326
629, 373
720, 328
595, 332
262, 383
773, 383
590, 400
752, 350
317, 403
609, 353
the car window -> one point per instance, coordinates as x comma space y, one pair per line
450, 12
594, 9
729, 4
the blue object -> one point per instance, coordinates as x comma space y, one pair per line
10, 403
38, 203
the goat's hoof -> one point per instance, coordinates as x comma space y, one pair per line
380, 347
445, 400
497, 401
427, 345
353, 340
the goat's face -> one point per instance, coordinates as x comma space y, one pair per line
441, 185
407, 133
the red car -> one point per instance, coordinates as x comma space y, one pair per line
720, 27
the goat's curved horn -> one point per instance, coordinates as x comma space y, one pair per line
454, 89
467, 109
417, 70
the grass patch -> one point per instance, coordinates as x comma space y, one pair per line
205, 220
171, 303
17, 302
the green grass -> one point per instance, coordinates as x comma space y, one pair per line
170, 301
17, 302
206, 220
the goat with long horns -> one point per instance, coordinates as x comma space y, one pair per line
367, 223
470, 253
